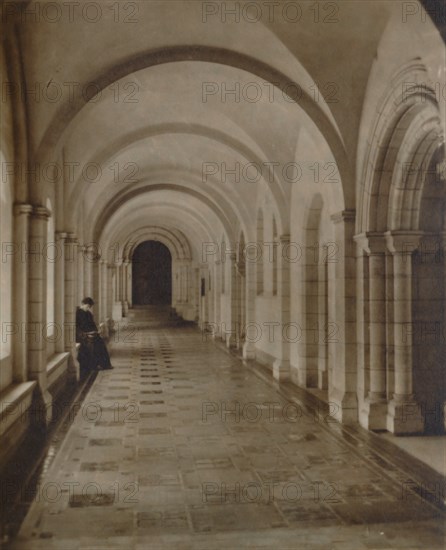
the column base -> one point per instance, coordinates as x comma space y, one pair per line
404, 417
322, 379
344, 406
281, 370
73, 368
117, 311
307, 378
373, 415
186, 311
231, 341
249, 351
110, 325
41, 410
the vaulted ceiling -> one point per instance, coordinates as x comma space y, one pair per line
143, 98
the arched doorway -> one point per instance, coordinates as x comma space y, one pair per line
152, 274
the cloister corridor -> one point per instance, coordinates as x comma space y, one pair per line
222, 274
185, 446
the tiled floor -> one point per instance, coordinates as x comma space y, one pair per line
181, 446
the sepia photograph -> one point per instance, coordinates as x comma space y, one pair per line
223, 275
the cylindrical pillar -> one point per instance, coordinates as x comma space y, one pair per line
342, 319
59, 289
404, 413
281, 366
20, 289
37, 313
377, 308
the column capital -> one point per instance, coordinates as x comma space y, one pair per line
22, 208
362, 242
285, 238
61, 235
344, 216
71, 238
372, 242
41, 213
403, 242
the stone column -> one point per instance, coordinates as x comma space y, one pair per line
373, 414
20, 290
59, 289
342, 390
100, 290
187, 288
231, 331
322, 356
130, 284
176, 285
125, 284
362, 324
183, 283
117, 306
251, 333
404, 414
70, 292
80, 273
96, 277
209, 297
110, 296
203, 300
281, 366
216, 297
37, 314
196, 293
240, 302
89, 258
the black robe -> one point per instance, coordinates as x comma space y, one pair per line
92, 352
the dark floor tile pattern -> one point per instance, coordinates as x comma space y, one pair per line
142, 468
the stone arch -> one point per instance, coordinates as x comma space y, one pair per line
399, 289
173, 239
398, 128
224, 215
319, 115
104, 157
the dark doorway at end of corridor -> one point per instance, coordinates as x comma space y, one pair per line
152, 274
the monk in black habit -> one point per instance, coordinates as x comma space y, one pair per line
93, 353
